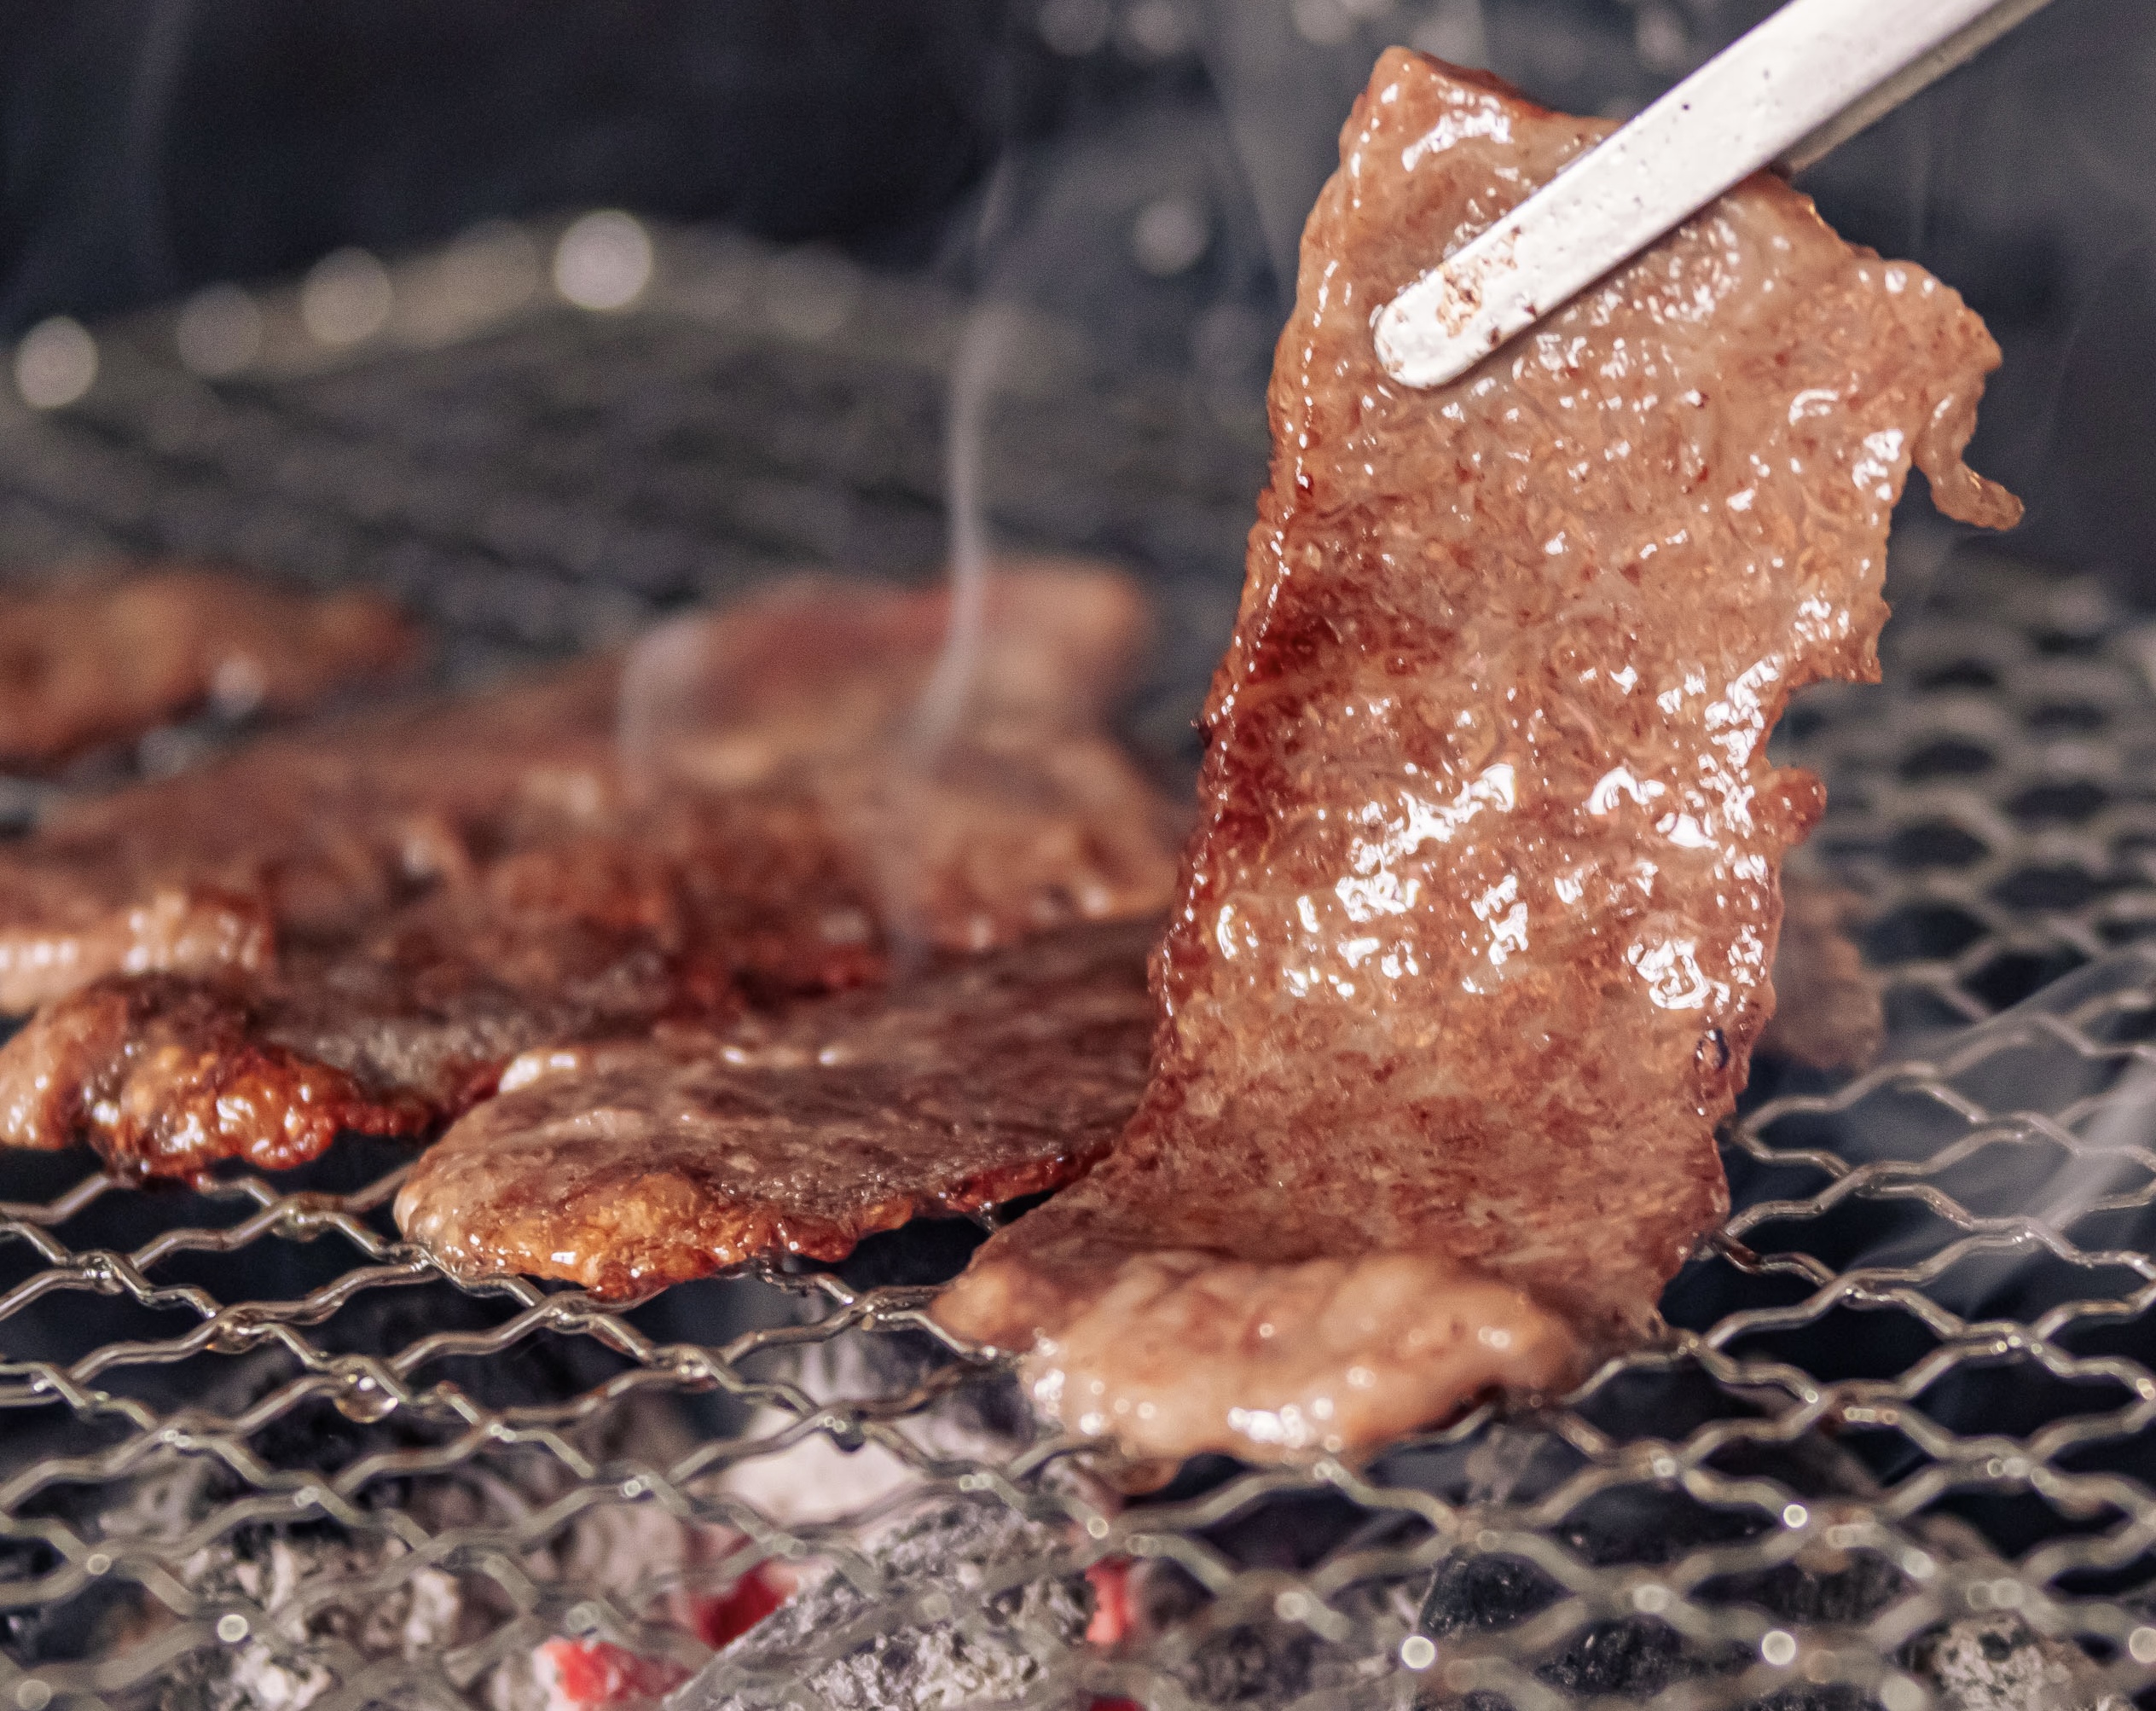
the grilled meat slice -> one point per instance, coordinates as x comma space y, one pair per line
308, 836
1479, 915
979, 796
625, 1166
107, 657
679, 914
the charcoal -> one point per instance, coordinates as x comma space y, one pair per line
1270, 1666
991, 1655
1999, 1663
58, 1629
1993, 1664
1261, 1665
416, 1618
1639, 1655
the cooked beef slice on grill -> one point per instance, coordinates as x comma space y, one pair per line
308, 836
623, 1167
980, 796
108, 657
361, 927
1479, 914
675, 914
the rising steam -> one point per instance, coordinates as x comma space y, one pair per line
2036, 1124
982, 345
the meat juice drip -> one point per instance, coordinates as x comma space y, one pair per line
1478, 918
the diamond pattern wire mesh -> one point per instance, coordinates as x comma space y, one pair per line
254, 1451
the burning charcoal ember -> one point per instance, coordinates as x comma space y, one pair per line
413, 1620
616, 1550
970, 1610
1827, 1011
108, 658
583, 1675
335, 1600
1481, 907
334, 1604
403, 907
625, 1166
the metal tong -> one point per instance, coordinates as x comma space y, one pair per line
1811, 76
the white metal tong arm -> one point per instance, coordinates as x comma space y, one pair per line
1813, 74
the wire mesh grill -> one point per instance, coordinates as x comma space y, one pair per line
1896, 1452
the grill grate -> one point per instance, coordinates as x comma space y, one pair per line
254, 1451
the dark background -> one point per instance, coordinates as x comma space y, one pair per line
147, 146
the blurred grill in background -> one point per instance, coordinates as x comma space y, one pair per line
1139, 166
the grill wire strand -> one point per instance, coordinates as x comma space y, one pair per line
1906, 1395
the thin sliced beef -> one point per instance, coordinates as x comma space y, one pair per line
981, 796
107, 657
410, 902
682, 913
624, 1167
1475, 941
304, 837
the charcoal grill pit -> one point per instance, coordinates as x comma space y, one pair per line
1901, 1449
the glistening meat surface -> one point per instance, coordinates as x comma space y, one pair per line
108, 658
624, 1167
1478, 918
364, 925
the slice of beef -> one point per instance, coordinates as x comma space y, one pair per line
108, 657
623, 1167
979, 792
1019, 813
165, 1074
384, 915
1476, 938
682, 912
308, 836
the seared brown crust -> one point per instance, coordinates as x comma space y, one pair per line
624, 1167
677, 913
1477, 922
114, 655
165, 1075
